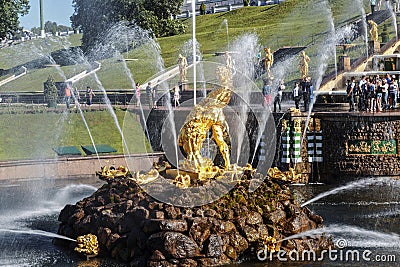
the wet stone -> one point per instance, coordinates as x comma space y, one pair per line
157, 256
251, 233
231, 253
276, 216
152, 226
214, 246
173, 245
200, 230
254, 218
238, 242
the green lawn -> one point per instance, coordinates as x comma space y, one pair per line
32, 136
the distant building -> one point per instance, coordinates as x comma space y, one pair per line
213, 4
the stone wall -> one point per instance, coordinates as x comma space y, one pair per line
348, 144
65, 167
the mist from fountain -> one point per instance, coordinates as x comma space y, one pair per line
110, 48
225, 23
358, 184
393, 15
245, 49
364, 24
186, 51
44, 51
78, 59
329, 50
278, 72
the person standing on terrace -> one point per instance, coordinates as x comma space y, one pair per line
372, 3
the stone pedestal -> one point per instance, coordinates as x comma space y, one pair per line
344, 63
374, 47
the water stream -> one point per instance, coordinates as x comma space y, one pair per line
354, 185
36, 232
364, 24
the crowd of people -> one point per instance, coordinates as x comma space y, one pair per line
302, 90
378, 5
372, 93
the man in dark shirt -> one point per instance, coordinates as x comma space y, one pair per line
305, 88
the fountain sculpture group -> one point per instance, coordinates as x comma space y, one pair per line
136, 227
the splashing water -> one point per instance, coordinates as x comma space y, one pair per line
36, 232
353, 185
355, 236
393, 15
76, 59
186, 51
245, 49
364, 24
225, 22
329, 50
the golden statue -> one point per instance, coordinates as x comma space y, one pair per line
304, 59
311, 125
269, 60
182, 62
373, 31
290, 175
317, 125
205, 116
297, 125
284, 125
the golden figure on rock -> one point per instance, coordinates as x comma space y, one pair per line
205, 116
290, 175
112, 172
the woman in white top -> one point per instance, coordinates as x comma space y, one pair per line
296, 95
176, 95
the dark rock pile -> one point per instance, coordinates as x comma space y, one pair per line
135, 228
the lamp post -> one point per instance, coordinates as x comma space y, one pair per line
42, 33
194, 48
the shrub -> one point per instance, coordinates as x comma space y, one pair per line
50, 92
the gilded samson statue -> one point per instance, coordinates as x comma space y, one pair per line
208, 114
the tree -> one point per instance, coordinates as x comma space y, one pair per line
94, 18
9, 16
50, 27
50, 92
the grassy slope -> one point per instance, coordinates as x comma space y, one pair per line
34, 135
